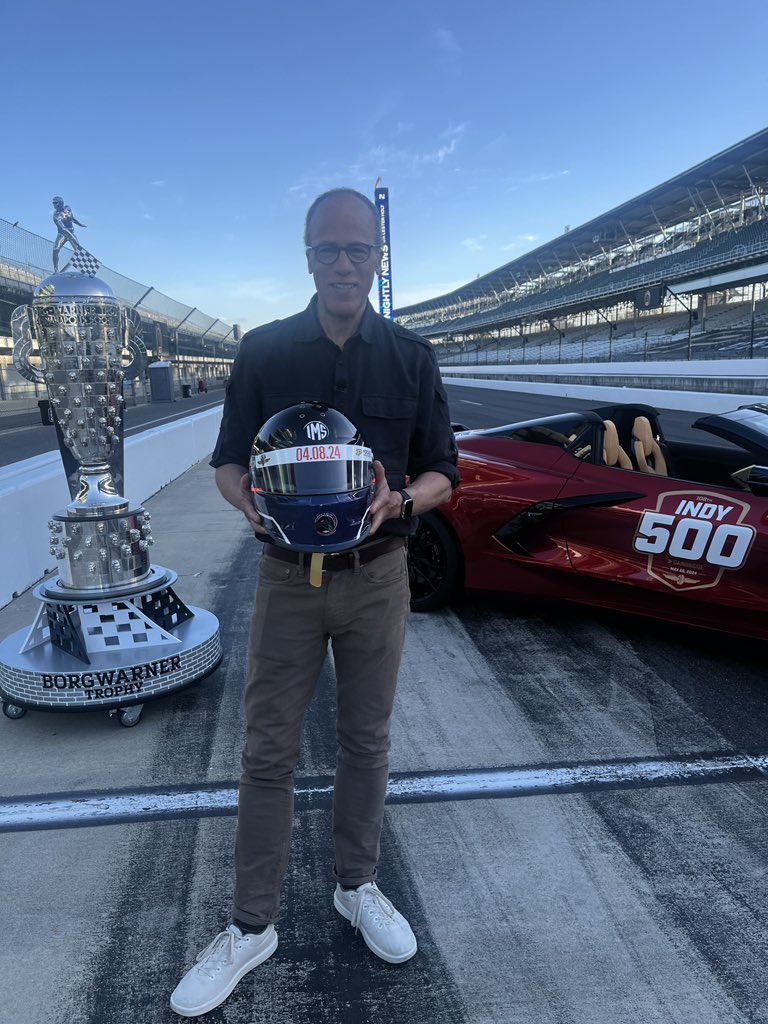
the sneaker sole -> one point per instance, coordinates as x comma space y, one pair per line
390, 959
265, 954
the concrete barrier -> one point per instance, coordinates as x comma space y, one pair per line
732, 369
747, 370
32, 490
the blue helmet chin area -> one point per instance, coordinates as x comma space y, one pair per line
316, 522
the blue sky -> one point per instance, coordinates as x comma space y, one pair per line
191, 137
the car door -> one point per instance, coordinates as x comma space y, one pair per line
667, 544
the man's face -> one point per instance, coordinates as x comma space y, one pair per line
343, 287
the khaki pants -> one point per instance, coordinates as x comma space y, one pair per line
363, 612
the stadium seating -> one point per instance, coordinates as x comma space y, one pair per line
748, 241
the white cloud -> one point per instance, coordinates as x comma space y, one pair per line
474, 244
159, 182
147, 216
520, 242
531, 179
445, 41
447, 50
453, 135
380, 160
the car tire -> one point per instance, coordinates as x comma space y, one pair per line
434, 564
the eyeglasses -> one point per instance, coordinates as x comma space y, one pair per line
358, 252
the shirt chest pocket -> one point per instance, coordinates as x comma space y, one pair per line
389, 423
389, 407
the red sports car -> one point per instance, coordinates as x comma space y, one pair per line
598, 507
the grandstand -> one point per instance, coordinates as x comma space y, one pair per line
680, 272
199, 345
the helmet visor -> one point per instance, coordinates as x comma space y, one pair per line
312, 469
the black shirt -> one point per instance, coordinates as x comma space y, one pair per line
385, 380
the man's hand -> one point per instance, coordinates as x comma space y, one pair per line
235, 486
247, 506
428, 490
386, 504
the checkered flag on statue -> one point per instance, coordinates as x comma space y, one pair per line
83, 261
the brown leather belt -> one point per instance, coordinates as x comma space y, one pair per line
334, 561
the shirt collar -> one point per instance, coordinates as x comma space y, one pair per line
310, 329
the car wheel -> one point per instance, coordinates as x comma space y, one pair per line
434, 564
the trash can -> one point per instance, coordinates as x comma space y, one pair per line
186, 390
46, 412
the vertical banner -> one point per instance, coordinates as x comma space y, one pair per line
385, 277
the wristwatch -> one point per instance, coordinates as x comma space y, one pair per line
406, 509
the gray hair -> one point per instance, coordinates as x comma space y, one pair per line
332, 193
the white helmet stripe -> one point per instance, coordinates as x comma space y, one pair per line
312, 453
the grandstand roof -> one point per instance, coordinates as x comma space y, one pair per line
719, 180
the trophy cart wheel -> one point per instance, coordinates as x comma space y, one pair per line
13, 711
128, 717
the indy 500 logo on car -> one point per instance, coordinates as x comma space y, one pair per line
692, 537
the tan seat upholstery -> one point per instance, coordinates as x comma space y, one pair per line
645, 448
613, 453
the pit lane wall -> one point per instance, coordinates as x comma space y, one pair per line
706, 386
33, 489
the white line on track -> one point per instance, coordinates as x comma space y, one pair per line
89, 809
466, 401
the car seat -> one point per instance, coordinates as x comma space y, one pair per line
613, 453
646, 450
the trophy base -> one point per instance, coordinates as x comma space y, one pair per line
85, 653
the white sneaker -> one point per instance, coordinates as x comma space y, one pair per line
384, 929
219, 967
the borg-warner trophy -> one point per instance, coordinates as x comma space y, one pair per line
110, 631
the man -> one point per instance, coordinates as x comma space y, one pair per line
385, 380
64, 220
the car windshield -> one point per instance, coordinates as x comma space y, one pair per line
754, 418
746, 427
564, 432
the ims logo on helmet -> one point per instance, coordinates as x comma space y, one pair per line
316, 430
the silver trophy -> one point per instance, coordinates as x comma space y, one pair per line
110, 631
82, 333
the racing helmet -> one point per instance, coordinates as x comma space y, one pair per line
312, 479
